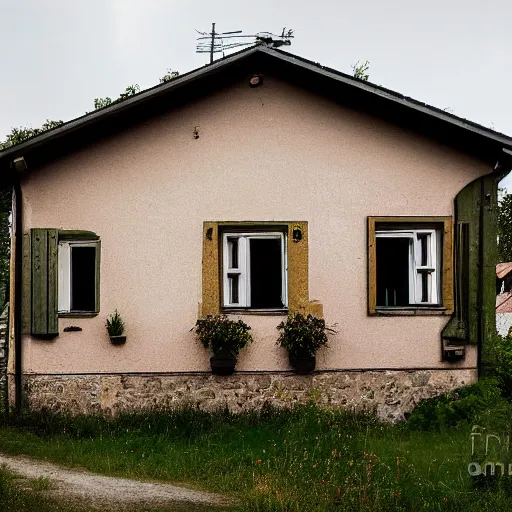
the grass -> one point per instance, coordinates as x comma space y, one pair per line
28, 497
305, 459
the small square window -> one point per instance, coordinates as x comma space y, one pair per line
409, 263
78, 276
254, 270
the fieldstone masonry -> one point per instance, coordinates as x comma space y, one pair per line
3, 357
389, 394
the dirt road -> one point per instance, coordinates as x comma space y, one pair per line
97, 489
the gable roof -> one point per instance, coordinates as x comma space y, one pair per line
466, 135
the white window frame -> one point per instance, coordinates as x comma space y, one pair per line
417, 268
243, 269
64, 293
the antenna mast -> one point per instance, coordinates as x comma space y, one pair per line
214, 42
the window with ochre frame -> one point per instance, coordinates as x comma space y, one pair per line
295, 236
410, 265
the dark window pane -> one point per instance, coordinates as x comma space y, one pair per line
392, 271
424, 287
234, 253
83, 278
233, 291
266, 273
424, 249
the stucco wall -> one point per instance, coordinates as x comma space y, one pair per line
274, 153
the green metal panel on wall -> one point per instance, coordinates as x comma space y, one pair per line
475, 255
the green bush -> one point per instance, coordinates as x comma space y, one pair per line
501, 351
469, 404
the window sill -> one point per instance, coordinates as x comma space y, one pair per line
77, 314
411, 311
260, 312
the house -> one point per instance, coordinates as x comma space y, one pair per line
350, 201
503, 298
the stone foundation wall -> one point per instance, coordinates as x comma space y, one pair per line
389, 394
3, 358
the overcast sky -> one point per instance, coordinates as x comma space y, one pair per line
58, 55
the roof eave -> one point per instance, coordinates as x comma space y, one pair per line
181, 81
106, 112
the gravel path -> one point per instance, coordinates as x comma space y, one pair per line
93, 488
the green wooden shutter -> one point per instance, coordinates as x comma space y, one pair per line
44, 255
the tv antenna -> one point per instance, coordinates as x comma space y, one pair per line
218, 42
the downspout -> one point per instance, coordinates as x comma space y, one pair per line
480, 296
18, 392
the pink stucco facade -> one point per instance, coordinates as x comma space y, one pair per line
274, 153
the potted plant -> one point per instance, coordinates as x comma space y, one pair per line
302, 336
225, 338
115, 328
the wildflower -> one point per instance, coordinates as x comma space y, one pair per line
396, 494
314, 466
445, 500
350, 463
259, 461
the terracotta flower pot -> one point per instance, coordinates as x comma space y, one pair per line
223, 363
302, 364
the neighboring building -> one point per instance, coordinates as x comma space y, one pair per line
503, 298
349, 200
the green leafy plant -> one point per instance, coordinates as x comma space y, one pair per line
361, 70
469, 404
220, 334
115, 324
303, 335
501, 353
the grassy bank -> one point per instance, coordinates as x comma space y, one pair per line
300, 460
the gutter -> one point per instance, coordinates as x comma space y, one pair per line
481, 370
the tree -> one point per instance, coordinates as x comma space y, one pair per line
360, 70
169, 76
21, 133
505, 228
131, 90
